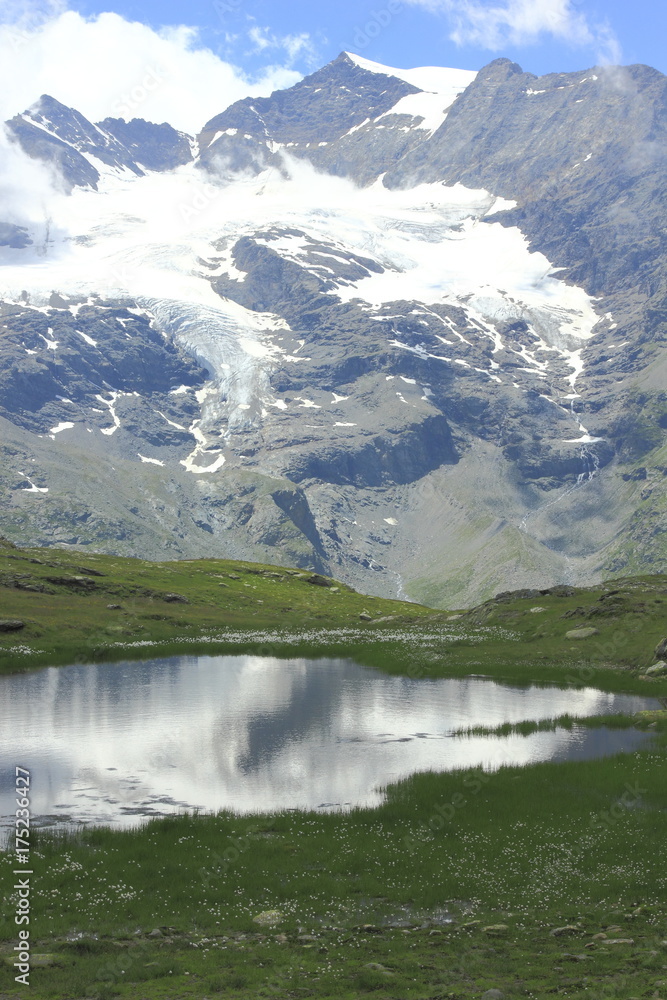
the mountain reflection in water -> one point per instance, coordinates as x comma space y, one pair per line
111, 743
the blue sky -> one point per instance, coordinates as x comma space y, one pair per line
542, 35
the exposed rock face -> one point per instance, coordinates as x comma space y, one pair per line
578, 151
155, 147
306, 119
62, 137
53, 368
438, 373
45, 145
13, 236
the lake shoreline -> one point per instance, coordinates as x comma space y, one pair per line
460, 882
552, 874
72, 607
111, 743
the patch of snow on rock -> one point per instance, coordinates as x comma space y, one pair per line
65, 425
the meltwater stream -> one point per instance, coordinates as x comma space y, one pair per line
115, 743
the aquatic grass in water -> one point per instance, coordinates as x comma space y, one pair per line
576, 844
212, 733
582, 832
529, 726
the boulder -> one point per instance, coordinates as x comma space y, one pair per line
658, 669
87, 571
268, 918
636, 476
560, 590
11, 625
319, 581
516, 595
581, 633
660, 651
378, 967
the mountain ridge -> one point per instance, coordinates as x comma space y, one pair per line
427, 354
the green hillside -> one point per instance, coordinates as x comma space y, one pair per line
59, 606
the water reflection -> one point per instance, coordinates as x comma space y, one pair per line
111, 742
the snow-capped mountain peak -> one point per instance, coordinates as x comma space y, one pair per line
386, 323
431, 79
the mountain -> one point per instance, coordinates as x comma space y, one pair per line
403, 327
81, 152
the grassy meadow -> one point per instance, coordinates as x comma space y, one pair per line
541, 881
454, 886
82, 608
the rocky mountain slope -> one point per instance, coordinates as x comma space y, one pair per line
404, 327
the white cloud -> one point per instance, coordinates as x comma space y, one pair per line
104, 66
497, 25
108, 66
29, 192
293, 45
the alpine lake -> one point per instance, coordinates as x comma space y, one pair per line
114, 743
436, 806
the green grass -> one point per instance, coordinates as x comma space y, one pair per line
236, 607
528, 726
63, 598
536, 848
361, 894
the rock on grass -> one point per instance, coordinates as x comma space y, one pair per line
11, 625
581, 633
